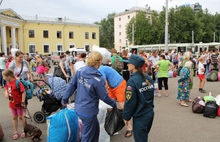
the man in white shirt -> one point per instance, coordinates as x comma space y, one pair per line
154, 59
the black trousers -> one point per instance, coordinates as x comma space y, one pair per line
126, 75
153, 74
165, 83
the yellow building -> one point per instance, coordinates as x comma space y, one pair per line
31, 34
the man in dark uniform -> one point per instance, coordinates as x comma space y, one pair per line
139, 99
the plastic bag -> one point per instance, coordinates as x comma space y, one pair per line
114, 121
105, 53
62, 126
103, 135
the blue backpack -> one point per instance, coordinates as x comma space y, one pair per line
29, 88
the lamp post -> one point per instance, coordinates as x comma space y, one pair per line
166, 28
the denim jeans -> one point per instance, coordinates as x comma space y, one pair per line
2, 81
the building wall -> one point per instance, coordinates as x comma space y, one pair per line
23, 40
120, 23
78, 40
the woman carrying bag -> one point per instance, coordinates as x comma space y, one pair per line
60, 70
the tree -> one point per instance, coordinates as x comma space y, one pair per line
106, 31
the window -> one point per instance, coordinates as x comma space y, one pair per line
59, 34
45, 34
59, 48
71, 35
93, 35
46, 48
119, 19
119, 26
86, 35
128, 16
71, 46
31, 33
119, 40
119, 33
32, 48
87, 47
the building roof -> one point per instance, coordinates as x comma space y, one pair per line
37, 19
58, 20
135, 9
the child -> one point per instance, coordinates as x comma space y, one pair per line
16, 101
201, 71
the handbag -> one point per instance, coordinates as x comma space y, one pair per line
58, 72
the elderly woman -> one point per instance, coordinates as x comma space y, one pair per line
184, 84
187, 57
90, 87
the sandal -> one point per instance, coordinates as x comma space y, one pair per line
15, 136
23, 134
184, 105
128, 133
189, 100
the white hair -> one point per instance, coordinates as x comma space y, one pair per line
187, 55
188, 64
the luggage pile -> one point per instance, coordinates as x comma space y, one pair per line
208, 105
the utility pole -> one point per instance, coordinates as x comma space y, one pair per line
214, 37
132, 34
193, 49
166, 28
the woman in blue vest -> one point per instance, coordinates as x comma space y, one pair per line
139, 102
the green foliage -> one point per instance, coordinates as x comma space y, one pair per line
182, 21
106, 31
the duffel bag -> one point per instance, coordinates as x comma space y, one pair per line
211, 109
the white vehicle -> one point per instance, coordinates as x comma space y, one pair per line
75, 51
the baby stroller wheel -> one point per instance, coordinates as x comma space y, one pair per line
39, 117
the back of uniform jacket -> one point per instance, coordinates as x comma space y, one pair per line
90, 88
139, 96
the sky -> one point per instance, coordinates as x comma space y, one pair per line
91, 11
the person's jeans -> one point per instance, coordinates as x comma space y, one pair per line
2, 81
68, 72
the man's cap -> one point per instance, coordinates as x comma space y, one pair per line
136, 60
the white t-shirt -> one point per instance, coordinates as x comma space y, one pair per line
200, 67
78, 65
205, 57
154, 60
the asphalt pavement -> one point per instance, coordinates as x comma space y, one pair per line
172, 122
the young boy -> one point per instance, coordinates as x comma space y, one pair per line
201, 71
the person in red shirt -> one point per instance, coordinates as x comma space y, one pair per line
16, 101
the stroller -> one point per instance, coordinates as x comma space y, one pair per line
50, 93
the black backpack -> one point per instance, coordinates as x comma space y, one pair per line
211, 109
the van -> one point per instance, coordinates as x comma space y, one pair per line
55, 56
74, 52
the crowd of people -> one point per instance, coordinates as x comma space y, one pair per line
127, 83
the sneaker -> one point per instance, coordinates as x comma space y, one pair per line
202, 91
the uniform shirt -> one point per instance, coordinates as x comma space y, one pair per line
15, 97
90, 87
112, 76
163, 68
200, 67
139, 97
